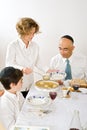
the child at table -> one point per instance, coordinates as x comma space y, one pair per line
12, 100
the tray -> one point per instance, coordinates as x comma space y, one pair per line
46, 84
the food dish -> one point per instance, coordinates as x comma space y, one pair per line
46, 76
46, 84
82, 82
58, 76
39, 101
73, 90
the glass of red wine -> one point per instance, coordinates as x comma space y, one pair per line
53, 95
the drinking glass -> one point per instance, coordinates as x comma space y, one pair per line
76, 86
75, 122
53, 95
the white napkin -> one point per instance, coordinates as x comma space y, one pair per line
83, 90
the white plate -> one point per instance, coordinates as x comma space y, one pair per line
39, 101
17, 127
58, 76
83, 90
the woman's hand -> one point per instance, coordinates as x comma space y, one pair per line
52, 70
27, 70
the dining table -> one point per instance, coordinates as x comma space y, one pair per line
55, 114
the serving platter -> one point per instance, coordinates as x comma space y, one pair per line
82, 82
47, 85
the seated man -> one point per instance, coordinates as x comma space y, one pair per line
76, 62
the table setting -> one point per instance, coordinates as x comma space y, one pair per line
51, 104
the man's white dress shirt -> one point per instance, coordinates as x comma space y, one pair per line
10, 106
78, 65
20, 57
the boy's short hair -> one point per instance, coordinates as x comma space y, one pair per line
10, 75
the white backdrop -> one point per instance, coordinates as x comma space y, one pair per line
55, 17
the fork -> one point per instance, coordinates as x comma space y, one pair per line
42, 111
45, 111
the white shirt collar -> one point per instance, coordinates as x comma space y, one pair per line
10, 94
70, 58
64, 59
22, 44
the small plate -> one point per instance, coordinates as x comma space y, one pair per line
83, 90
58, 76
39, 101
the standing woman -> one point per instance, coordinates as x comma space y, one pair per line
23, 53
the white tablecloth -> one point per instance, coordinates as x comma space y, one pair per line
61, 115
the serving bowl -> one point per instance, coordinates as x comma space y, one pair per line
46, 85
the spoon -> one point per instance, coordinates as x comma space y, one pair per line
45, 76
42, 111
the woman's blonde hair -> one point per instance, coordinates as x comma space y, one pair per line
24, 26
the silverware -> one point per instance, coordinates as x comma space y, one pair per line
45, 111
41, 111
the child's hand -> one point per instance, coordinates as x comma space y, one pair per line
1, 92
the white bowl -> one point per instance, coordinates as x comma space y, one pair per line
58, 76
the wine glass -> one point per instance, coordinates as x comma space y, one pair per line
53, 95
75, 122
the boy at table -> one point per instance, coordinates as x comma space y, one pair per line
12, 100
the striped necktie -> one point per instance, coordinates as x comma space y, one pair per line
68, 70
